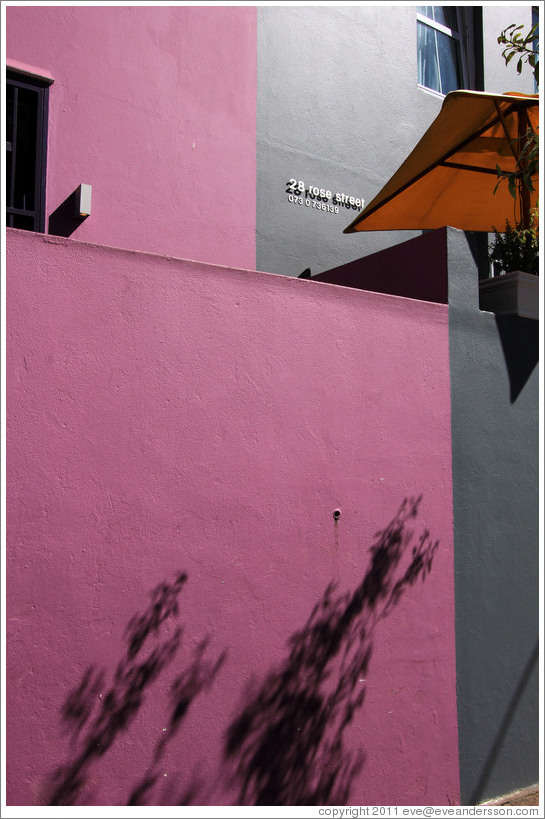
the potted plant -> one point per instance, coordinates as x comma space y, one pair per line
513, 288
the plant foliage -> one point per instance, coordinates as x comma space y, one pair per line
522, 46
517, 248
527, 164
525, 48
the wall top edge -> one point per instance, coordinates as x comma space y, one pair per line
29, 70
50, 239
294, 281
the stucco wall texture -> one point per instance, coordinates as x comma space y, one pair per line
149, 107
495, 452
189, 121
192, 416
167, 416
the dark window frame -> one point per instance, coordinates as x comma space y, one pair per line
36, 215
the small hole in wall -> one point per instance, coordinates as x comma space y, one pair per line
337, 514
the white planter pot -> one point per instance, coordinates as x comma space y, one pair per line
511, 294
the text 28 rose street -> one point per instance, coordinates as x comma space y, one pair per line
302, 193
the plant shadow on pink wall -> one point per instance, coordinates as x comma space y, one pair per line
287, 744
96, 719
289, 740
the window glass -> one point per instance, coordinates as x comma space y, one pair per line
25, 147
449, 63
439, 58
428, 67
22, 222
427, 11
26, 134
445, 15
10, 91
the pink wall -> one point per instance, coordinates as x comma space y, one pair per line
150, 107
167, 415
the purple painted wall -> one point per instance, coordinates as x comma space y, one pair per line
167, 415
155, 108
416, 269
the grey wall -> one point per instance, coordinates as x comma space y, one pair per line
338, 107
495, 407
498, 77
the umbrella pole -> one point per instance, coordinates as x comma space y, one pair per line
524, 193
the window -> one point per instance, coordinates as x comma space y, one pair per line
439, 48
26, 150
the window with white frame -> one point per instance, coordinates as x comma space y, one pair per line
439, 43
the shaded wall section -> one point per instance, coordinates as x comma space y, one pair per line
495, 405
416, 269
250, 450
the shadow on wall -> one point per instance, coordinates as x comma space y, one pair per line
286, 746
289, 738
96, 719
520, 343
488, 767
64, 220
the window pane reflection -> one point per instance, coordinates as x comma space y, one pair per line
428, 68
445, 15
439, 65
449, 63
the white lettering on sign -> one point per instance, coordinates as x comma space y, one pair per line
320, 198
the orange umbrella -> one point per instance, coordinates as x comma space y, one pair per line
450, 176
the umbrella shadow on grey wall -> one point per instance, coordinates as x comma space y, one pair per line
96, 711
287, 743
520, 343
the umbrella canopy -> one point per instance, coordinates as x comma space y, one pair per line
450, 176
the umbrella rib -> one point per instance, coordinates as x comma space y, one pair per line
468, 167
510, 139
440, 161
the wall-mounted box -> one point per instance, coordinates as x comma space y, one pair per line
83, 200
